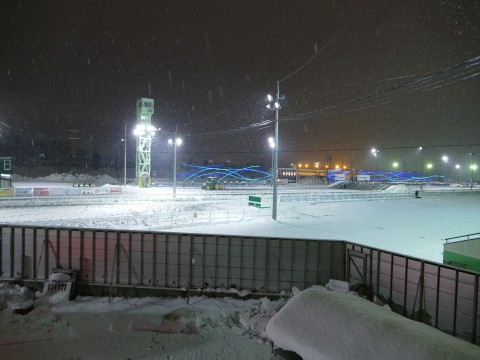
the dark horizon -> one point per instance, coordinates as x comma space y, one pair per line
392, 75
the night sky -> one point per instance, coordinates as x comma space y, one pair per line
388, 74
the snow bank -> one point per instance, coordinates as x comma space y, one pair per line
320, 324
398, 189
98, 180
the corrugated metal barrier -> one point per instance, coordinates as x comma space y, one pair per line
151, 263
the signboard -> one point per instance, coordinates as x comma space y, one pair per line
73, 192
6, 192
41, 192
57, 191
6, 166
288, 175
115, 190
339, 177
23, 192
363, 177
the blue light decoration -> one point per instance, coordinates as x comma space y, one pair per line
226, 173
389, 176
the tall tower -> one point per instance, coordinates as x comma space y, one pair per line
144, 132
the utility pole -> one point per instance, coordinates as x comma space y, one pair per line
275, 162
125, 157
175, 165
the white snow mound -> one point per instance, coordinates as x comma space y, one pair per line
319, 324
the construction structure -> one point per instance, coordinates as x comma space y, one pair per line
144, 131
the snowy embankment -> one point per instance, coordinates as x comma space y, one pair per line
319, 324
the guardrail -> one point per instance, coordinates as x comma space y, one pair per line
134, 262
462, 237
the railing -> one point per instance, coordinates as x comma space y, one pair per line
168, 260
439, 295
462, 237
442, 296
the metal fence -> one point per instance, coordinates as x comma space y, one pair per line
439, 295
169, 260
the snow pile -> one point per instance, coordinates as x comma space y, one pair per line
61, 277
321, 324
135, 328
398, 189
69, 178
15, 297
104, 180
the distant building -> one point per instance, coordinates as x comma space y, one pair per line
6, 171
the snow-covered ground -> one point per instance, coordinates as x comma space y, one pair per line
410, 226
154, 328
136, 328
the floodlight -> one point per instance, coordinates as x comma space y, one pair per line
139, 130
269, 97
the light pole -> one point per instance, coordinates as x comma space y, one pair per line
274, 104
457, 168
445, 162
429, 167
125, 157
175, 142
271, 142
374, 153
421, 149
472, 167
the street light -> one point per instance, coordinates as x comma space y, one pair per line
175, 143
421, 149
274, 104
472, 168
271, 142
457, 167
395, 164
374, 153
445, 162
125, 157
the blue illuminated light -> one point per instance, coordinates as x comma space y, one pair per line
226, 173
389, 176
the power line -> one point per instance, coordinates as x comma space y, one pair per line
318, 52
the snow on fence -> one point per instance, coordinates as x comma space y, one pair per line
439, 295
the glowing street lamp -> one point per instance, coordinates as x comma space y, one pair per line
445, 162
175, 143
395, 164
471, 168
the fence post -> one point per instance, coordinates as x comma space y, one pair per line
190, 270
